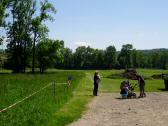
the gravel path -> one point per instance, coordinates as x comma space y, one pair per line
109, 110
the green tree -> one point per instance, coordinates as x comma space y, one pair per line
135, 61
1, 40
164, 60
19, 35
124, 57
48, 52
25, 30
79, 57
139, 59
4, 4
110, 57
98, 59
88, 58
83, 57
37, 25
68, 58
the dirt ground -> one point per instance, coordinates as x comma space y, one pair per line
109, 110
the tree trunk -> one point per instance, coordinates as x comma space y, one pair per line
33, 61
24, 58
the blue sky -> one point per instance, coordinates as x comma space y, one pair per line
100, 23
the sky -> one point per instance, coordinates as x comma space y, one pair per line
101, 23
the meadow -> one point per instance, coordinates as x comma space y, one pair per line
111, 81
40, 108
59, 105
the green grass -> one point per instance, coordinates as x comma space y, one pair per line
113, 85
150, 72
73, 109
5, 71
39, 109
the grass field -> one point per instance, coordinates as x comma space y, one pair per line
68, 103
39, 109
113, 84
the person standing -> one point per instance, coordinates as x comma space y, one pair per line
69, 80
96, 83
141, 82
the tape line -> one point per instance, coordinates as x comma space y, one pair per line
11, 106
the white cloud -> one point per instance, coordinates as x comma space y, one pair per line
82, 44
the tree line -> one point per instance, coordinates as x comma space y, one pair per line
29, 45
109, 58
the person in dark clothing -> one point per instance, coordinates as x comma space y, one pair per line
141, 82
96, 83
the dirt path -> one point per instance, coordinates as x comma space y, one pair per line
109, 110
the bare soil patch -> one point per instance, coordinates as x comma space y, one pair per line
109, 110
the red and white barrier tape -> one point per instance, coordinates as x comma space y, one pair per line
11, 106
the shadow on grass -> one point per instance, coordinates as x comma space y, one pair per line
162, 89
29, 73
1, 73
89, 95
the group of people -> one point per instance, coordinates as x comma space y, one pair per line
124, 86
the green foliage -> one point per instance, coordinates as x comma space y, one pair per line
19, 34
68, 61
1, 40
3, 6
124, 57
110, 57
37, 25
25, 29
48, 53
83, 57
139, 60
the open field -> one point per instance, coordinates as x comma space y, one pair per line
40, 108
113, 84
68, 103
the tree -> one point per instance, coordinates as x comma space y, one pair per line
3, 5
164, 60
79, 57
19, 34
37, 25
48, 52
98, 59
124, 57
110, 57
84, 57
68, 58
1, 40
135, 61
25, 30
88, 58
139, 59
